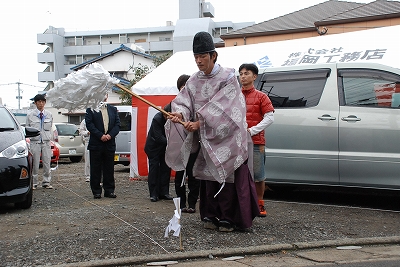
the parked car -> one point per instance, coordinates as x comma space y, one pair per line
69, 142
15, 161
55, 152
123, 139
335, 125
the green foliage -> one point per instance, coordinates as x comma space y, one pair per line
140, 72
159, 60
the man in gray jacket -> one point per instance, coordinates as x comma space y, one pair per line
42, 120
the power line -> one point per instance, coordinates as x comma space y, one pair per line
19, 97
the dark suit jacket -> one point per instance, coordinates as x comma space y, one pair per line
95, 125
156, 141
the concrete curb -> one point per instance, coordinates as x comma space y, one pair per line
204, 254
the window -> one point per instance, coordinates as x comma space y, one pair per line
221, 31
224, 31
120, 74
79, 59
68, 129
79, 40
125, 120
74, 119
71, 60
215, 33
123, 38
70, 41
294, 88
7, 123
161, 39
372, 88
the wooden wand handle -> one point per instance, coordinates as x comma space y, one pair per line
144, 100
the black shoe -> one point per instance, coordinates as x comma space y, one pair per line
225, 226
167, 197
188, 210
210, 223
153, 199
97, 196
111, 195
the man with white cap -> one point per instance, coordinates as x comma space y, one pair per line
213, 110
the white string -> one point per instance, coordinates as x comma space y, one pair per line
109, 212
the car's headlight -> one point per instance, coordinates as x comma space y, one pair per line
17, 150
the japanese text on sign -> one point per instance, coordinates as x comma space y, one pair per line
334, 55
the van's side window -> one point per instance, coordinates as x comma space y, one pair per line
370, 88
125, 119
294, 89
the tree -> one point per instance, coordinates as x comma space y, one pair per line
140, 71
159, 60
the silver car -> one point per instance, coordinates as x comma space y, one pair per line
123, 139
335, 124
68, 141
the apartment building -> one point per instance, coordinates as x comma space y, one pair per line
64, 50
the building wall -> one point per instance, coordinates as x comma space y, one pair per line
122, 61
189, 9
186, 29
364, 25
332, 29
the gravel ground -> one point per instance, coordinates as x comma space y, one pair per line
66, 225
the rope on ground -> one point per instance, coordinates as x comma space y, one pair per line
107, 211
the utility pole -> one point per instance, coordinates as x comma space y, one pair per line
19, 97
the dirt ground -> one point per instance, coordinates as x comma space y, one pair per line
66, 224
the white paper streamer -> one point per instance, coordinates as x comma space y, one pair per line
82, 89
174, 223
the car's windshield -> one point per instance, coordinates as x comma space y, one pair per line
125, 119
67, 129
7, 123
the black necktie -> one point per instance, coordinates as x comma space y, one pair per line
41, 115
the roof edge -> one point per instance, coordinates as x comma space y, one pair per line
360, 19
256, 34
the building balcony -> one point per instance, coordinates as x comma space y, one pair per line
46, 57
105, 48
157, 46
45, 38
46, 76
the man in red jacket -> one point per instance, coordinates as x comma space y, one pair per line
259, 115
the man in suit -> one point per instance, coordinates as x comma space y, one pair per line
103, 126
159, 173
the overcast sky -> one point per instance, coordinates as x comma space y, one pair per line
22, 20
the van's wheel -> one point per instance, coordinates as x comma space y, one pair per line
76, 159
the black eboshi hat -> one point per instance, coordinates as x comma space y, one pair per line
203, 43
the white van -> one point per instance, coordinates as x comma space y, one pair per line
123, 139
335, 124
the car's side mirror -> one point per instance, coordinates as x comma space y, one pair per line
31, 132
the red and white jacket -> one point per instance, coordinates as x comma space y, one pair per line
259, 114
